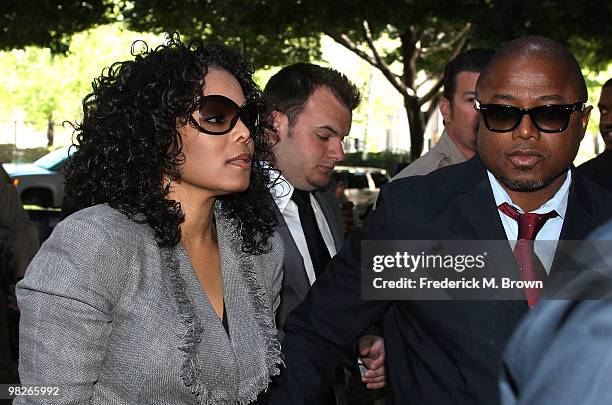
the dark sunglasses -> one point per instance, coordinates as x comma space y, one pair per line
218, 115
547, 118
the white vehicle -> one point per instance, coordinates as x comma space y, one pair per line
42, 182
362, 186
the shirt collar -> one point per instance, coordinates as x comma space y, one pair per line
557, 203
281, 192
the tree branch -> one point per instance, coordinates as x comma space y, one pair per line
432, 106
377, 62
431, 93
462, 34
436, 87
346, 42
380, 63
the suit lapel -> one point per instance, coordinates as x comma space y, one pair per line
577, 224
579, 221
479, 208
331, 216
294, 271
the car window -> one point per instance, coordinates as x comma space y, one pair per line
379, 179
54, 160
356, 180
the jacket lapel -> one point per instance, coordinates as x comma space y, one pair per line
579, 220
294, 271
332, 215
479, 208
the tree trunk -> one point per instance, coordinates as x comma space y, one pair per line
416, 120
50, 132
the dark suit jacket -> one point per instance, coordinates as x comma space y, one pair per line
599, 169
295, 280
438, 352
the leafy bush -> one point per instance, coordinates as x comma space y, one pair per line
386, 159
8, 154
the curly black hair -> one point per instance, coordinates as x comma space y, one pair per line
127, 144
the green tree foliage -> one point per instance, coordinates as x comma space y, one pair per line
428, 33
48, 23
46, 88
585, 26
276, 32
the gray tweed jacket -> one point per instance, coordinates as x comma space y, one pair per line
111, 318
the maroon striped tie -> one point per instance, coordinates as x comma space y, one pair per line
529, 264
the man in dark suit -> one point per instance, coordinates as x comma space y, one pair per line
448, 352
311, 110
599, 169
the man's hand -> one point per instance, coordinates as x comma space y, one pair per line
372, 354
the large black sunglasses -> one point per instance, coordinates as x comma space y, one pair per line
547, 118
218, 115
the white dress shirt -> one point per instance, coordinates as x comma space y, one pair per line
282, 192
547, 238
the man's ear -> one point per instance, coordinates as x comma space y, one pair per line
280, 123
584, 121
445, 109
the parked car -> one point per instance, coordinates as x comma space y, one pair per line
362, 186
42, 182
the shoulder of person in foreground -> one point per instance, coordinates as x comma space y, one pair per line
560, 353
423, 193
67, 297
95, 238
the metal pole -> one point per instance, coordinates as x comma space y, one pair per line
15, 144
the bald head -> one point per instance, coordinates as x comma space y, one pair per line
538, 48
533, 92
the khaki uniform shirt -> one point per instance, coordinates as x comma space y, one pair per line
445, 153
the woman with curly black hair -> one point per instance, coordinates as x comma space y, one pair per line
161, 287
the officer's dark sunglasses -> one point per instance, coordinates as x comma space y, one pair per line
547, 118
218, 115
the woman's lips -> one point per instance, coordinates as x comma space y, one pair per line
242, 161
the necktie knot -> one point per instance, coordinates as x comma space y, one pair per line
529, 224
319, 254
301, 197
530, 266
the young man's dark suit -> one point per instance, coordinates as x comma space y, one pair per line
438, 352
295, 279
